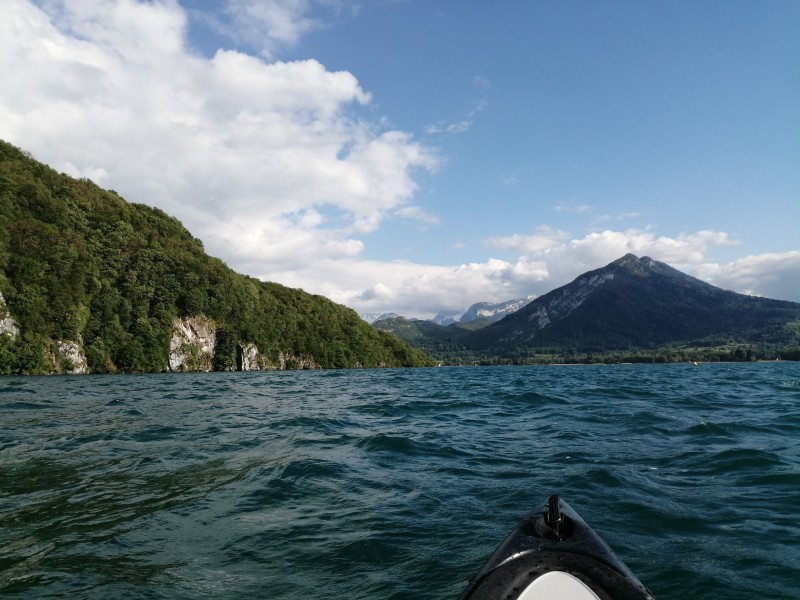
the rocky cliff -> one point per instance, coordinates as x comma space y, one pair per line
194, 346
7, 325
62, 356
191, 347
69, 357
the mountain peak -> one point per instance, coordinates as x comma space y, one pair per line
631, 261
631, 305
494, 311
640, 302
627, 259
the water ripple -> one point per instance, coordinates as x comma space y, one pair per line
396, 483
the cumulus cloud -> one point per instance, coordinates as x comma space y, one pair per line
270, 25
772, 275
242, 150
685, 249
414, 289
544, 240
271, 164
609, 244
547, 259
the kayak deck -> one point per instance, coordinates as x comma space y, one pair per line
553, 554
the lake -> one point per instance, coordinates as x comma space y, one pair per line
394, 483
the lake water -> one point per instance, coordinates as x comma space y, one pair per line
394, 483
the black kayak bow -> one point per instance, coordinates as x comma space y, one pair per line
553, 554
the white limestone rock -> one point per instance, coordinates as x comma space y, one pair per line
71, 357
7, 324
191, 347
249, 358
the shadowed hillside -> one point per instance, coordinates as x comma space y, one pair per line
641, 303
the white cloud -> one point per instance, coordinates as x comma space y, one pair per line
549, 259
418, 214
772, 275
597, 219
460, 126
577, 209
269, 163
269, 27
682, 250
442, 127
544, 240
481, 82
609, 244
414, 289
272, 24
245, 152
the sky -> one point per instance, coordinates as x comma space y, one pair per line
418, 156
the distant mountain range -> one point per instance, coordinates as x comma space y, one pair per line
631, 305
373, 318
482, 312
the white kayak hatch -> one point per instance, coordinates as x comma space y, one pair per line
558, 585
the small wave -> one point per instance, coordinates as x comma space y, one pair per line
20, 560
705, 428
384, 442
783, 478
158, 432
727, 463
24, 405
532, 398
16, 385
736, 459
310, 468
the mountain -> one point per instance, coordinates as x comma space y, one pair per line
494, 312
373, 318
440, 341
486, 312
447, 318
640, 303
636, 307
92, 283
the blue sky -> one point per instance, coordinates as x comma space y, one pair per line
420, 156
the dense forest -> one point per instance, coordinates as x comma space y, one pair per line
80, 264
450, 346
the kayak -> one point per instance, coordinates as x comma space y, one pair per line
554, 555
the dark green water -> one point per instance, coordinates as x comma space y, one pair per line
394, 483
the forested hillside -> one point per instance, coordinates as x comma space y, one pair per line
80, 264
